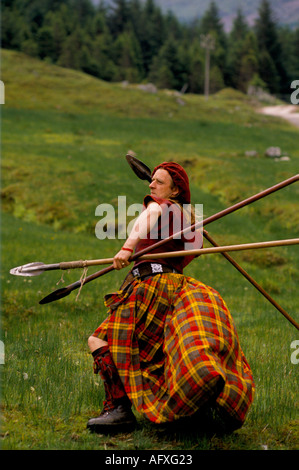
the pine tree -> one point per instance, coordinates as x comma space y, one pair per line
98, 25
54, 22
216, 79
184, 65
70, 55
295, 54
45, 42
239, 28
135, 11
119, 17
128, 57
173, 26
165, 69
101, 52
236, 48
196, 73
289, 40
14, 29
268, 72
211, 25
84, 11
249, 65
270, 49
152, 34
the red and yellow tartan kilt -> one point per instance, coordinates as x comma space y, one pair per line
175, 346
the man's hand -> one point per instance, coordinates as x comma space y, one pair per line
121, 259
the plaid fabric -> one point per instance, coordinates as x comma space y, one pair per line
175, 346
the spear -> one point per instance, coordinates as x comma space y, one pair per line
63, 292
37, 268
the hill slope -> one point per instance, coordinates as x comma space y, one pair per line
63, 118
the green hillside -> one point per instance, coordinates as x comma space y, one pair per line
64, 140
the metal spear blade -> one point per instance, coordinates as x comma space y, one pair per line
56, 295
140, 169
30, 269
33, 269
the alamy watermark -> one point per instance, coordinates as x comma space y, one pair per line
2, 92
1, 352
295, 94
114, 224
295, 354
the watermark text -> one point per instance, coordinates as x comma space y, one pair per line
295, 94
116, 224
1, 352
295, 354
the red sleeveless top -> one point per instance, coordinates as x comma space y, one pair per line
171, 221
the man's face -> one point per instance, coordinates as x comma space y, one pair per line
162, 185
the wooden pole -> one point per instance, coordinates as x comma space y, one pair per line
253, 282
176, 254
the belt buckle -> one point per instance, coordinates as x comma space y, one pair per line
136, 272
156, 268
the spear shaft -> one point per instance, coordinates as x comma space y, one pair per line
37, 268
253, 282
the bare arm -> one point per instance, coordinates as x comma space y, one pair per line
142, 226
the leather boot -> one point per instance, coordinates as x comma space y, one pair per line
116, 414
118, 419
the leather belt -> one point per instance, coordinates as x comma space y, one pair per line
150, 269
146, 270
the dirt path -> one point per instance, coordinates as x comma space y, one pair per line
289, 112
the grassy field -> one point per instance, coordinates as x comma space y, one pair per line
64, 140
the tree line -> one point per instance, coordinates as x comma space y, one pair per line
134, 40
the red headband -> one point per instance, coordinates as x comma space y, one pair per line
179, 177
